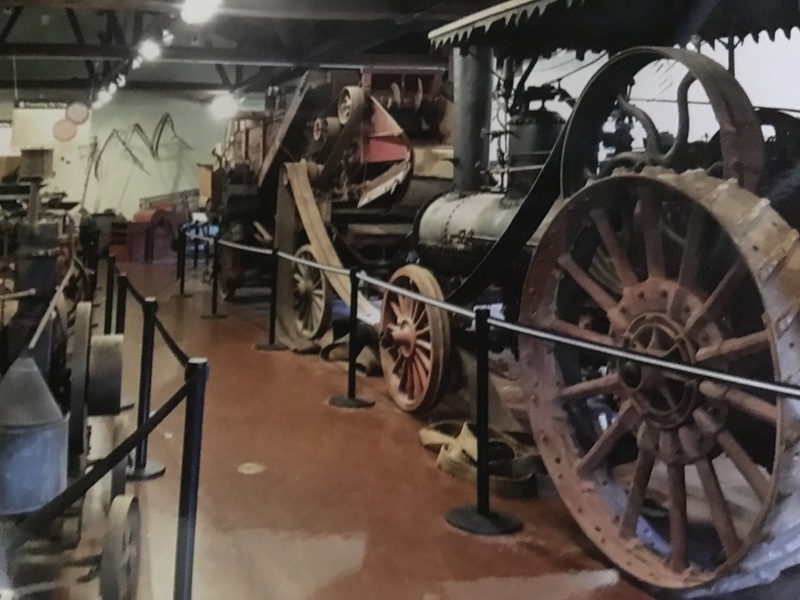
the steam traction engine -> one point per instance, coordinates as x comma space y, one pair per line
684, 249
55, 375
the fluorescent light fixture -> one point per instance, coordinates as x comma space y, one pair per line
112, 88
197, 12
225, 106
150, 50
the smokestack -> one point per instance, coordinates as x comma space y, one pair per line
473, 100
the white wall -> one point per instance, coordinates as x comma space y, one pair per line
120, 182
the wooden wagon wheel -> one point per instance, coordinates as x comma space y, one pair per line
415, 342
618, 437
312, 296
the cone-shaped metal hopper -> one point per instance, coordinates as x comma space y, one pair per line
33, 441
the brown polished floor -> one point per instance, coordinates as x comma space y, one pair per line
300, 501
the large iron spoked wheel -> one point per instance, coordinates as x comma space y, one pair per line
415, 342
681, 481
312, 297
119, 562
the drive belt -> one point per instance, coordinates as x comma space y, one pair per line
314, 227
534, 208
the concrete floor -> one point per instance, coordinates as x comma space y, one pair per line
300, 501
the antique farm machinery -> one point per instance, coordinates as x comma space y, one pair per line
686, 249
373, 147
56, 374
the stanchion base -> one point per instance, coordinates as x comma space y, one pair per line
352, 403
276, 347
467, 518
153, 470
214, 317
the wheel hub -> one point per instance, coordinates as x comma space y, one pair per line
405, 336
668, 404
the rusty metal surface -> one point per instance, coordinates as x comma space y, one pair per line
747, 506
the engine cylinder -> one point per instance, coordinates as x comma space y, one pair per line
33, 441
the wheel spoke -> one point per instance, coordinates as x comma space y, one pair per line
593, 387
735, 348
720, 512
419, 313
738, 455
641, 480
719, 298
607, 441
651, 231
587, 335
690, 261
615, 252
678, 519
425, 344
752, 405
587, 283
396, 310
420, 377
424, 359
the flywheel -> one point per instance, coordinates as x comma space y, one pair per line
415, 341
681, 481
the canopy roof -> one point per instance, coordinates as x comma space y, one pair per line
527, 28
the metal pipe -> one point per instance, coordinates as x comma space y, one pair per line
196, 371
473, 99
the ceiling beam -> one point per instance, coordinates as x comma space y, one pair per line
85, 85
210, 56
9, 26
317, 10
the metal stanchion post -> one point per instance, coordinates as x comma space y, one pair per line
481, 519
122, 298
207, 246
351, 400
182, 265
111, 271
93, 260
190, 478
145, 468
196, 256
273, 345
215, 284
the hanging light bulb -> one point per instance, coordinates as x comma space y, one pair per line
196, 12
149, 50
122, 81
136, 63
168, 37
112, 88
225, 106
